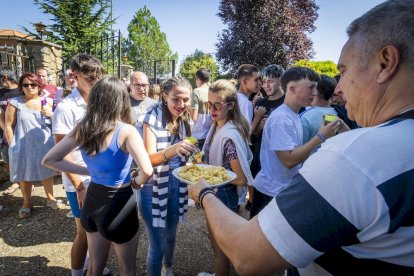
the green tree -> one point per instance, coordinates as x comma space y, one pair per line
77, 23
146, 44
321, 67
263, 32
195, 61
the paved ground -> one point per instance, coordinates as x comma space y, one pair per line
40, 245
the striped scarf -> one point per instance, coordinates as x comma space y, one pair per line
154, 118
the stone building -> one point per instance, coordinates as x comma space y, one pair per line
25, 53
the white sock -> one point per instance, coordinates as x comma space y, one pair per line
86, 263
77, 272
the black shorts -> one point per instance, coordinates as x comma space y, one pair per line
105, 204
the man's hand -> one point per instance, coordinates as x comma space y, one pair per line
259, 111
330, 129
195, 189
80, 194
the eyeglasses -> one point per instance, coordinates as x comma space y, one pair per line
33, 85
217, 105
140, 85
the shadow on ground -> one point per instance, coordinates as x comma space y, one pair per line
36, 265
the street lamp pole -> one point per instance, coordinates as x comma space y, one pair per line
40, 28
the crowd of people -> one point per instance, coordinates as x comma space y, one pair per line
323, 164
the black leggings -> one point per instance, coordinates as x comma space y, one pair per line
102, 205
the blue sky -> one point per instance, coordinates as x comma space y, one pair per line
193, 24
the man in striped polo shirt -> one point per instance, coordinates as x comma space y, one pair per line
350, 209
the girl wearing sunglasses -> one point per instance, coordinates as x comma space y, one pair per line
30, 138
227, 145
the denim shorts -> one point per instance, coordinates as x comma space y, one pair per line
73, 202
228, 195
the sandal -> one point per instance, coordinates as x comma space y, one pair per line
55, 204
24, 212
13, 187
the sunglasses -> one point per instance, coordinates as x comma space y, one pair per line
217, 105
33, 85
140, 85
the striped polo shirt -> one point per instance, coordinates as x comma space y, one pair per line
350, 209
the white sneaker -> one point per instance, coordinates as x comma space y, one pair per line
167, 271
205, 274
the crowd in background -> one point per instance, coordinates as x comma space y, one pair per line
117, 145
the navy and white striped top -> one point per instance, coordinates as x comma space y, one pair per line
157, 123
350, 210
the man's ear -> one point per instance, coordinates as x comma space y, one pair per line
388, 61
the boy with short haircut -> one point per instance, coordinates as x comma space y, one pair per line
282, 152
86, 70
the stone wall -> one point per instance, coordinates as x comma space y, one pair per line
46, 55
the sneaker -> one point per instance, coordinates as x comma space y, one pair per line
205, 274
54, 204
167, 271
24, 212
69, 214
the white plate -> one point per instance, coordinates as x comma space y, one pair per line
230, 173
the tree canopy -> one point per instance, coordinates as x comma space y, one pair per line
146, 43
321, 67
263, 32
76, 22
195, 61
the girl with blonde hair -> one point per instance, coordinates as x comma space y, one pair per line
227, 145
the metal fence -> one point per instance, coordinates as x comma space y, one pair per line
156, 70
16, 58
107, 48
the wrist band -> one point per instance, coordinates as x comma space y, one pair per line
321, 136
203, 193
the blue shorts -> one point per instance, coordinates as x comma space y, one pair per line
74, 205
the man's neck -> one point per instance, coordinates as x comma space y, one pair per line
292, 105
85, 95
276, 96
244, 91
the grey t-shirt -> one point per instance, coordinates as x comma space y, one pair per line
139, 109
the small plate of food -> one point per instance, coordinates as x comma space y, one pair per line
215, 175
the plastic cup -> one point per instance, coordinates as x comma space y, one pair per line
329, 118
191, 139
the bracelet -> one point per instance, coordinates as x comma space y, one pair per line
321, 136
203, 193
163, 154
135, 185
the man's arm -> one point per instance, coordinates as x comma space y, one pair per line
247, 247
73, 178
291, 158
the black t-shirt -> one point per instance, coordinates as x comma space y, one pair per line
5, 96
270, 105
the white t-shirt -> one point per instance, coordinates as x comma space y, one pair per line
354, 196
66, 116
282, 132
246, 106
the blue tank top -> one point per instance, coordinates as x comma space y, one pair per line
110, 167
